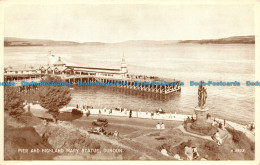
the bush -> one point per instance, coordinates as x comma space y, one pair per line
183, 144
212, 146
53, 98
236, 135
13, 102
164, 146
252, 147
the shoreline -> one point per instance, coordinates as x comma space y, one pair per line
147, 115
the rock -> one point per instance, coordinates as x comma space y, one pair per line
164, 152
177, 157
188, 152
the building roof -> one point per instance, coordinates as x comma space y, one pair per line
97, 70
59, 62
61, 68
123, 65
91, 68
21, 68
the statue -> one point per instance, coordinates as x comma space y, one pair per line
202, 96
202, 121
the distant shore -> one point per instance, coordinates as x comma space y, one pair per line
12, 41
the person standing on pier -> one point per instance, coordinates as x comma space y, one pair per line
28, 108
152, 115
192, 119
220, 125
130, 113
170, 115
88, 112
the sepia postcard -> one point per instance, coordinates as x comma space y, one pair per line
130, 80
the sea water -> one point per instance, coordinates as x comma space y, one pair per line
185, 62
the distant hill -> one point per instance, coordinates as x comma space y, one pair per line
11, 41
146, 43
229, 40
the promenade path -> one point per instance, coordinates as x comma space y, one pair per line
147, 115
135, 114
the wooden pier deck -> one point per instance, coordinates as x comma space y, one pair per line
130, 81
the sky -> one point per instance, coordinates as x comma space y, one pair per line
117, 23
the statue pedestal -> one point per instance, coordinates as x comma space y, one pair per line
201, 123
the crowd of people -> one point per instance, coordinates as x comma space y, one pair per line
250, 126
130, 113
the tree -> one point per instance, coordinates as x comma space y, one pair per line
13, 101
54, 97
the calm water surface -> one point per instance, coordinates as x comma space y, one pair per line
186, 62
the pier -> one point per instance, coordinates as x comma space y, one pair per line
74, 74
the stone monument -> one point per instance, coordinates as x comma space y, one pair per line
201, 123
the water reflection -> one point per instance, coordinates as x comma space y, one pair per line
115, 91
